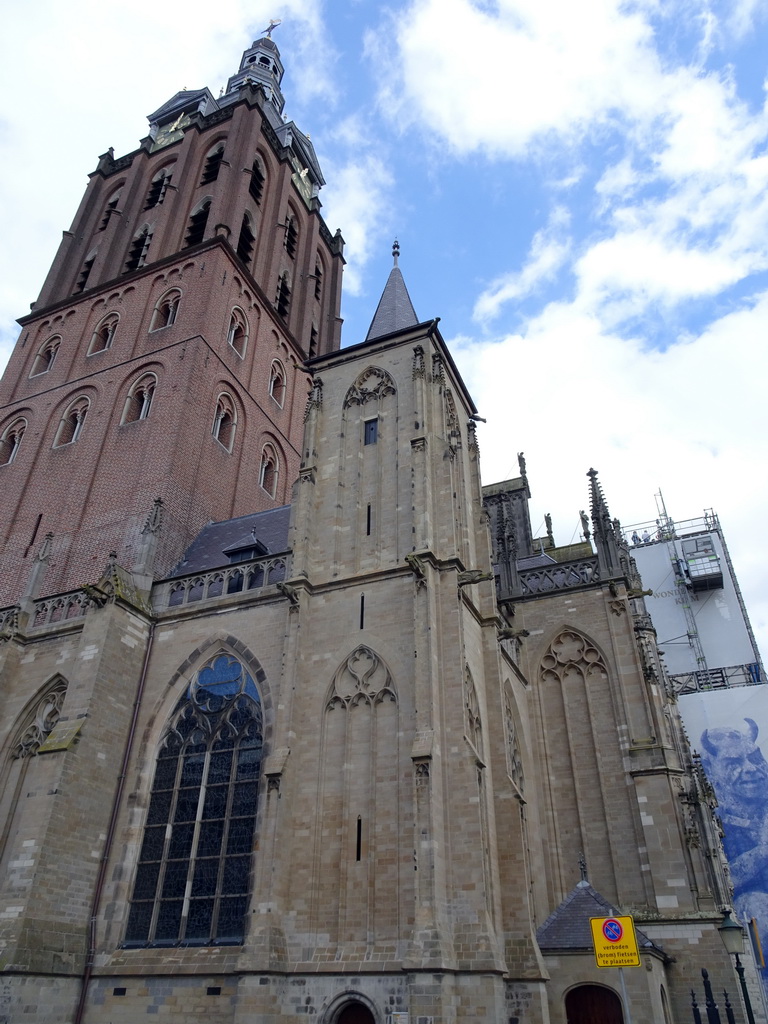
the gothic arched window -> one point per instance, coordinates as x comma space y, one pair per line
237, 332
72, 421
256, 187
139, 400
277, 382
85, 272
283, 297
198, 221
268, 470
137, 254
35, 727
246, 239
110, 208
225, 421
193, 877
104, 334
166, 310
45, 356
212, 164
291, 239
10, 440
158, 188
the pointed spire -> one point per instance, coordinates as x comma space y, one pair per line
606, 541
395, 310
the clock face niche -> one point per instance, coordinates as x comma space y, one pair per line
171, 132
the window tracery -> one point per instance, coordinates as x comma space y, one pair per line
193, 877
362, 678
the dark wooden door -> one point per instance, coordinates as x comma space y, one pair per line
593, 1004
356, 1013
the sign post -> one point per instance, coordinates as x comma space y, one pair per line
615, 945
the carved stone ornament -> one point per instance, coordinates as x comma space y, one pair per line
41, 722
372, 384
419, 369
438, 369
570, 657
314, 398
362, 678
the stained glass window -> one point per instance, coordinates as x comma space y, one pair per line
193, 877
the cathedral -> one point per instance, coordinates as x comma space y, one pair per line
300, 720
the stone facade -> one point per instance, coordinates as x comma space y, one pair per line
357, 770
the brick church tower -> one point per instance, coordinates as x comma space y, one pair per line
163, 357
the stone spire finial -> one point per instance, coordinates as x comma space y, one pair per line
605, 532
145, 558
395, 250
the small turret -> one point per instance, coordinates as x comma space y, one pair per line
261, 65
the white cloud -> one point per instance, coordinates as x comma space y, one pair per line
357, 199
547, 254
691, 420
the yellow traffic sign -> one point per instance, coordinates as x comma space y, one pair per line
615, 941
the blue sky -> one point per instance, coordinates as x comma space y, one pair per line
580, 192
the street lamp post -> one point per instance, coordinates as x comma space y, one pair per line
732, 935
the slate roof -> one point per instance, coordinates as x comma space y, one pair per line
395, 310
209, 549
567, 928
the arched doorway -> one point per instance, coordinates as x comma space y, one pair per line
355, 1013
593, 1004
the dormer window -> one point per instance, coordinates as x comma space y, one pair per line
255, 550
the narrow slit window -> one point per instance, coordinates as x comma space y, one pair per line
246, 240
368, 521
359, 843
362, 611
371, 431
283, 298
256, 187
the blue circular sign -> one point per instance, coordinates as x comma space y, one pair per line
612, 929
